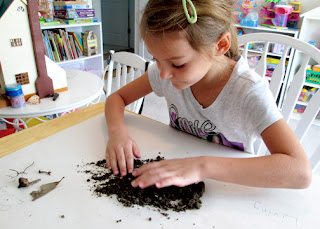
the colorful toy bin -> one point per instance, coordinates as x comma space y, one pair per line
282, 12
15, 93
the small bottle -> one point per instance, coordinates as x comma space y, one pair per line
15, 93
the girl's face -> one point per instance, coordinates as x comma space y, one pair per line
177, 60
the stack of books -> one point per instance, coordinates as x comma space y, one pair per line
61, 45
71, 12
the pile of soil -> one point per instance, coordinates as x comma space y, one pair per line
174, 198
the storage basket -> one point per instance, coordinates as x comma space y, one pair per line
313, 77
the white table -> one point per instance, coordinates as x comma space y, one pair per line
84, 88
62, 144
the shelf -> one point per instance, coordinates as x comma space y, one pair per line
260, 52
297, 116
312, 85
79, 59
92, 63
63, 25
302, 103
268, 29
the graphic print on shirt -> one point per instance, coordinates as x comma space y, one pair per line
206, 130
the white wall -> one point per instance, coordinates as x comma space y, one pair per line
139, 47
139, 4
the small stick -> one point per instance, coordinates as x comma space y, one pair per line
23, 182
47, 172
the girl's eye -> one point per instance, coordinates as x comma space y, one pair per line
178, 66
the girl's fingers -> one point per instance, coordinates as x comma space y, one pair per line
129, 160
121, 162
150, 176
166, 182
135, 150
113, 162
143, 169
108, 159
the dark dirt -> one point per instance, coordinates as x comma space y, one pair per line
174, 198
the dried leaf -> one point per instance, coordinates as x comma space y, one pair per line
44, 189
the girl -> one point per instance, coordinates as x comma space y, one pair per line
210, 93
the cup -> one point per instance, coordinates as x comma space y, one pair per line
15, 93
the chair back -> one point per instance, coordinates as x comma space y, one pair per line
291, 89
128, 67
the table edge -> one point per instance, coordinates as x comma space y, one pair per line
19, 140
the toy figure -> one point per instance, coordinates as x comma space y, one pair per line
282, 12
293, 18
244, 8
272, 3
45, 10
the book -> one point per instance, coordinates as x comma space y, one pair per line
45, 45
60, 43
53, 35
50, 48
78, 40
68, 43
78, 49
65, 44
73, 46
55, 51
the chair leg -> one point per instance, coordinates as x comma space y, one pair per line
141, 107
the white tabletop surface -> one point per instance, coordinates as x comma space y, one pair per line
224, 205
83, 88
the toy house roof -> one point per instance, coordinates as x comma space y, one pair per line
314, 13
4, 5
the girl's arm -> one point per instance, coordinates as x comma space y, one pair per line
120, 147
286, 167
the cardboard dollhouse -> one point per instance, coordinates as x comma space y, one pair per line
17, 58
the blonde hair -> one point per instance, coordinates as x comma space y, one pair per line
214, 19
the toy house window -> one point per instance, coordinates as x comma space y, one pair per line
16, 42
22, 78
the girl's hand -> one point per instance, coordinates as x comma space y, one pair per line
178, 172
119, 154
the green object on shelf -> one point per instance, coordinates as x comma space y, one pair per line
313, 77
49, 22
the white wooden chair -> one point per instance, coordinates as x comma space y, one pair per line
128, 66
304, 124
280, 79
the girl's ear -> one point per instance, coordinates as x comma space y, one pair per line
223, 44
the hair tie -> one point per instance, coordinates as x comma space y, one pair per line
192, 19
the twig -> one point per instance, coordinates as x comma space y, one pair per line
28, 167
18, 173
47, 172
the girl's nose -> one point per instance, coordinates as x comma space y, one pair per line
165, 73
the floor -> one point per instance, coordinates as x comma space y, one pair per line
156, 108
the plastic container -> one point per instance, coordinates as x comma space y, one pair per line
251, 19
15, 93
313, 77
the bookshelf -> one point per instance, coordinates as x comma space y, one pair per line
263, 29
309, 31
93, 63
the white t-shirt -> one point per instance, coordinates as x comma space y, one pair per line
242, 111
